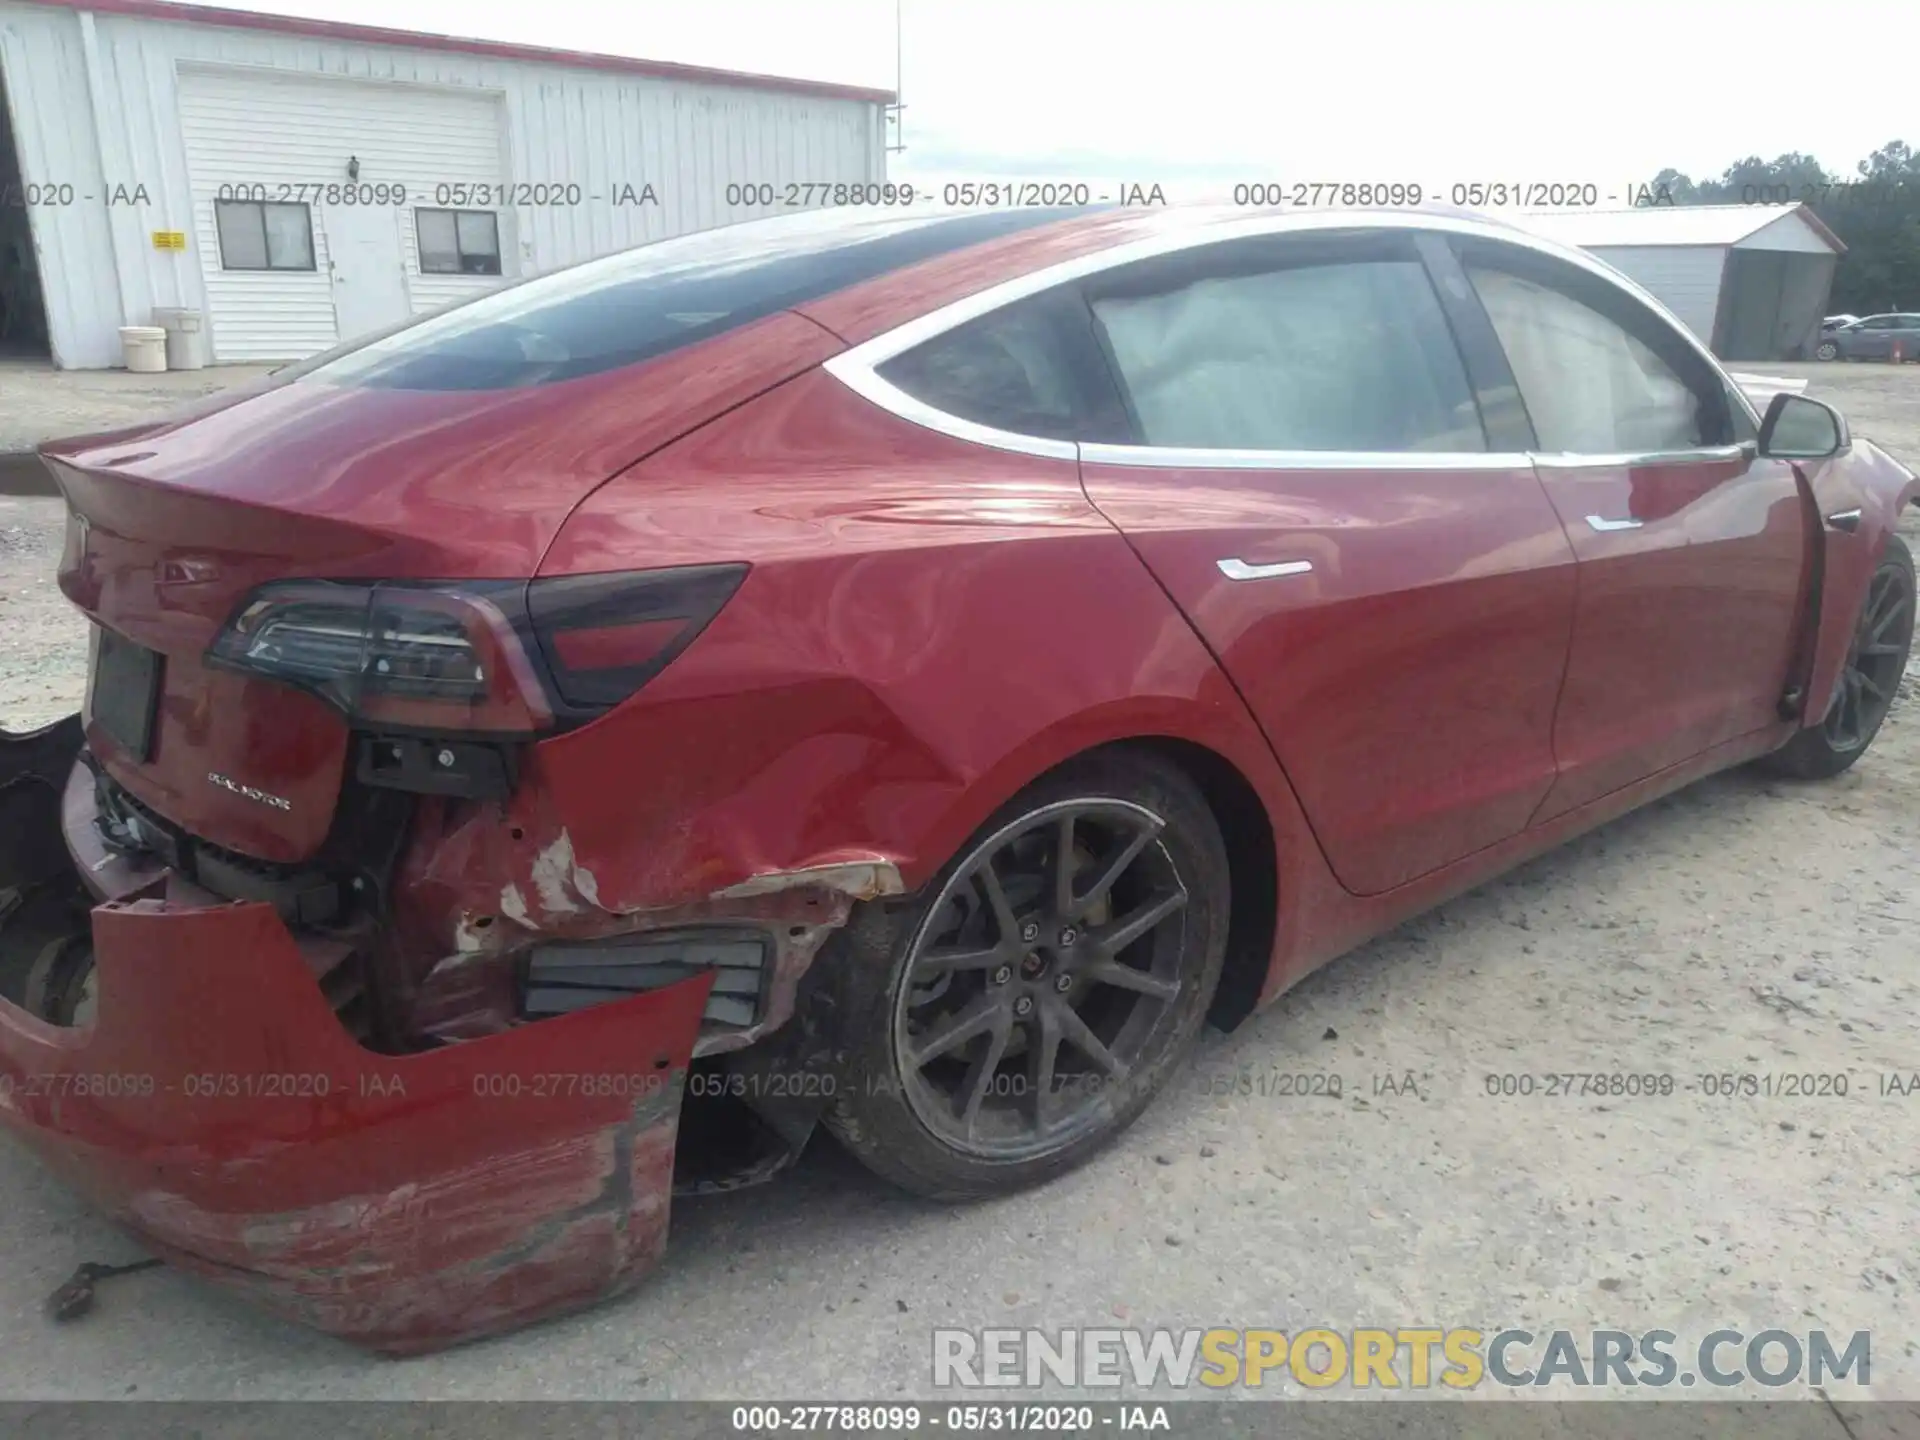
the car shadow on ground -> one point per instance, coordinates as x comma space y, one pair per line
827, 1191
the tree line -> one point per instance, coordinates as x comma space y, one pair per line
1875, 212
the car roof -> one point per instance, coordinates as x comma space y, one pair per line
878, 305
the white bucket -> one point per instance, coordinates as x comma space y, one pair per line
145, 347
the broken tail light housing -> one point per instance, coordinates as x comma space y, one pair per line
506, 658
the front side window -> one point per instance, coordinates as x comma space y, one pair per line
256, 235
1346, 355
1590, 386
458, 242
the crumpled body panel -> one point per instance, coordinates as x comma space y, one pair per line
217, 1108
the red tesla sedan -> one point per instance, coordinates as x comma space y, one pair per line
897, 672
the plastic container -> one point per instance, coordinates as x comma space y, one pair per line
145, 348
186, 337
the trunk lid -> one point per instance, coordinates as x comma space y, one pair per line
171, 526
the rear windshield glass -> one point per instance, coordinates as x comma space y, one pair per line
645, 302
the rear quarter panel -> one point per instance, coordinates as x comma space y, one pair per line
928, 625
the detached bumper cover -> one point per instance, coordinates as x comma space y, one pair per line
218, 1109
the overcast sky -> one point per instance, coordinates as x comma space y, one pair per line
1191, 90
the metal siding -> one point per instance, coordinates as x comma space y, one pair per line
555, 123
1789, 233
1649, 225
1684, 278
398, 132
53, 132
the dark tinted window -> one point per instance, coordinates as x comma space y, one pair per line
1342, 355
645, 302
1030, 367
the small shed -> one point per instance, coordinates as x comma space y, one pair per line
1750, 280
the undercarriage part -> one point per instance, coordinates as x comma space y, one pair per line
724, 1143
45, 935
75, 1298
33, 774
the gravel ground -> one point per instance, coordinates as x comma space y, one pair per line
39, 403
1743, 925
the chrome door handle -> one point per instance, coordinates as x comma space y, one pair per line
1848, 520
1241, 570
1600, 522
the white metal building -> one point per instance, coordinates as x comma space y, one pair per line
1750, 280
302, 182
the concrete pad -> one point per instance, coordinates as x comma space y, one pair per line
38, 402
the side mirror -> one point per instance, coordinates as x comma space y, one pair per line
1798, 427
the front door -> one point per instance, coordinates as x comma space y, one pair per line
1692, 552
368, 268
1314, 488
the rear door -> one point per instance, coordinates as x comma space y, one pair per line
1306, 471
1693, 552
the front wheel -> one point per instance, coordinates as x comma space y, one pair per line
1045, 987
1826, 350
1876, 659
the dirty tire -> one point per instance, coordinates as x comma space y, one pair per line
897, 1119
1826, 350
1824, 750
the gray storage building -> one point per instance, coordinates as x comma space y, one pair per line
1750, 280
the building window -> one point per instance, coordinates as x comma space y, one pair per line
255, 235
458, 242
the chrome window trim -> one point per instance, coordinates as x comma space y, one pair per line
863, 381
856, 367
1172, 457
1575, 459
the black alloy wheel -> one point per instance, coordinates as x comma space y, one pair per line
1044, 986
1046, 967
1869, 680
1875, 660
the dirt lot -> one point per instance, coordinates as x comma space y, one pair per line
1742, 926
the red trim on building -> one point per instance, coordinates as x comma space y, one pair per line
492, 49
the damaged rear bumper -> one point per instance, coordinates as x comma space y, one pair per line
216, 1107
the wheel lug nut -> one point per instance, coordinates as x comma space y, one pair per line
1068, 935
1063, 983
1023, 1006
1003, 975
1030, 930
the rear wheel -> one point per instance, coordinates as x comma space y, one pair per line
1876, 659
1045, 986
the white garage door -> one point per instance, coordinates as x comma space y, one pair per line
292, 265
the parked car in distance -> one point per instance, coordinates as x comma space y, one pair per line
1877, 337
899, 674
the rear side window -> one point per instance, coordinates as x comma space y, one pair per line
1344, 355
1030, 368
646, 302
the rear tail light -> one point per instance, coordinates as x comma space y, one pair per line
604, 636
493, 657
